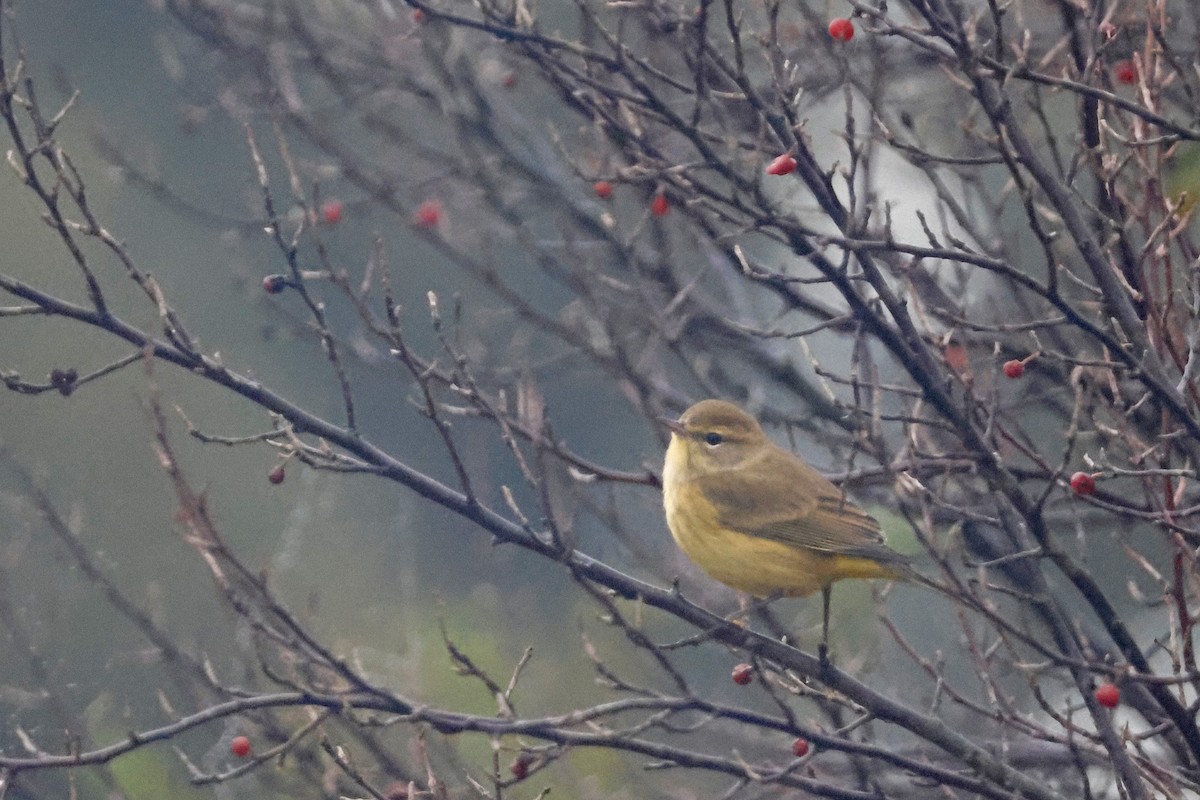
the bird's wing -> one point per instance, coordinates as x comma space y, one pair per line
817, 518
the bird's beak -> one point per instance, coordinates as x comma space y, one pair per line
673, 425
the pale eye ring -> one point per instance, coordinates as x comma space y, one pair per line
712, 438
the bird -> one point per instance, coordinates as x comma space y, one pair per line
758, 518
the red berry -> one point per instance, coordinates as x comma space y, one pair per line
1083, 483
331, 212
800, 748
956, 357
1014, 369
603, 189
842, 30
659, 205
274, 284
1125, 71
782, 165
396, 790
276, 475
429, 213
742, 674
418, 15
240, 746
1108, 695
520, 766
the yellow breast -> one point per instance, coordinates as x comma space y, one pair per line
759, 566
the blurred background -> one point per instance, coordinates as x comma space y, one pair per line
452, 162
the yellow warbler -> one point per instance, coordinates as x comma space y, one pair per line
758, 518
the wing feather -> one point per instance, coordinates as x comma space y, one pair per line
785, 500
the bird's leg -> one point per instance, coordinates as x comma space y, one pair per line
748, 605
823, 650
762, 610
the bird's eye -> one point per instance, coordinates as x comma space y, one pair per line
713, 439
